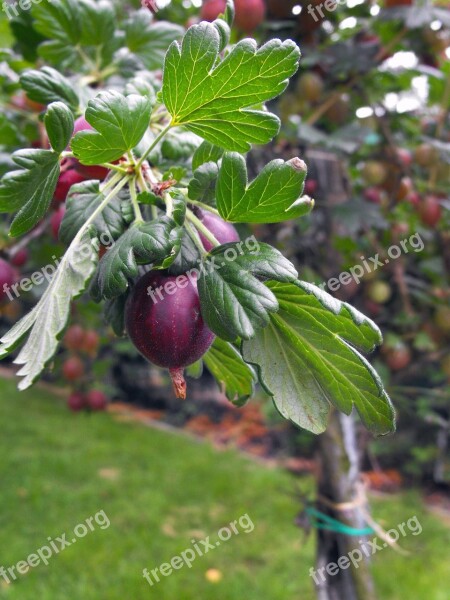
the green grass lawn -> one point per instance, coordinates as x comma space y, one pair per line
159, 492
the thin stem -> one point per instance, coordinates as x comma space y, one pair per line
144, 188
202, 228
107, 165
135, 203
112, 167
204, 206
82, 231
169, 204
111, 182
192, 232
155, 142
98, 58
107, 72
385, 51
100, 208
87, 59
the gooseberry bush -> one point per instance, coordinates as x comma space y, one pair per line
144, 131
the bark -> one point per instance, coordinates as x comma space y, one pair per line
339, 482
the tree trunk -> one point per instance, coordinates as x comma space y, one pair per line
338, 482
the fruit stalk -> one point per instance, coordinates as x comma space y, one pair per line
178, 383
202, 228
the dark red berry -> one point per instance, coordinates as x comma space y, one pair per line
74, 338
87, 172
164, 322
373, 194
430, 210
81, 125
7, 277
249, 14
66, 180
311, 187
19, 258
73, 368
56, 220
90, 342
96, 400
224, 232
211, 9
76, 401
398, 358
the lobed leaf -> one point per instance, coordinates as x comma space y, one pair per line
234, 302
206, 152
120, 123
29, 191
83, 199
274, 196
150, 39
215, 99
227, 366
48, 318
47, 85
202, 186
145, 243
307, 359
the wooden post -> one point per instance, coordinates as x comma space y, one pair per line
338, 483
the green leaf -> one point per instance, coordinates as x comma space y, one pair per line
58, 20
49, 317
83, 199
27, 38
274, 196
9, 134
59, 122
229, 13
179, 145
187, 258
234, 302
60, 54
48, 85
98, 22
307, 359
146, 243
150, 198
214, 99
120, 121
150, 39
206, 152
141, 87
179, 208
203, 184
115, 314
224, 32
195, 370
29, 190
176, 173
228, 368
74, 25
